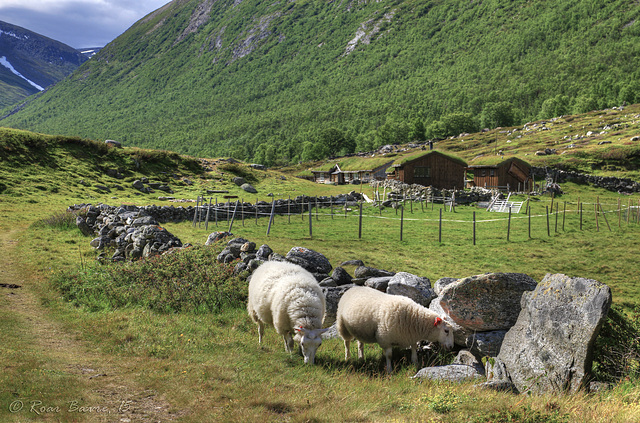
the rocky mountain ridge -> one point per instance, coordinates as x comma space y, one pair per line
30, 62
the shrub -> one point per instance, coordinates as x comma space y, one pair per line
189, 280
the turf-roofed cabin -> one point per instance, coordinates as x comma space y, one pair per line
511, 174
351, 170
436, 169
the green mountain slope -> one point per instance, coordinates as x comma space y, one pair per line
277, 82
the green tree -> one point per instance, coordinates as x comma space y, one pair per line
497, 114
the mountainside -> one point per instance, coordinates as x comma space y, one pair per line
277, 82
30, 62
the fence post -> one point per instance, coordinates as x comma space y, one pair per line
440, 227
548, 227
360, 223
234, 215
215, 211
273, 209
564, 214
619, 213
605, 217
195, 211
580, 207
331, 203
289, 209
242, 210
206, 220
529, 213
509, 225
557, 212
256, 211
595, 208
474, 228
401, 222
310, 220
317, 208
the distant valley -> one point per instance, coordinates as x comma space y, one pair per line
30, 62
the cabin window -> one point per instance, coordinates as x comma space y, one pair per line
421, 172
483, 173
492, 172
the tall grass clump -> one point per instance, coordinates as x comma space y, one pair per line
617, 351
62, 220
189, 280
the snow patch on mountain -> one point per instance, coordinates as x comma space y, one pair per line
4, 62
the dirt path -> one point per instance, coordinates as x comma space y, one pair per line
109, 383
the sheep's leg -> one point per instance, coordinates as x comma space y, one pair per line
414, 354
260, 332
388, 353
288, 342
347, 352
361, 350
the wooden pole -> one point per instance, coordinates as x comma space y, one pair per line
273, 208
195, 211
509, 225
206, 220
256, 211
564, 214
401, 222
289, 209
360, 223
310, 220
628, 210
605, 217
557, 212
548, 227
595, 207
580, 208
317, 209
440, 228
529, 213
474, 228
619, 213
331, 205
242, 210
234, 216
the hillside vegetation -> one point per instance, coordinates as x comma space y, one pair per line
277, 82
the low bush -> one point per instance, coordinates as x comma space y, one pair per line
189, 280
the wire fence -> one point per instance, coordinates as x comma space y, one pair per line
429, 219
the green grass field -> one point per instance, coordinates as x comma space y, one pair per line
106, 336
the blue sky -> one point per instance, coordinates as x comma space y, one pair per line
78, 23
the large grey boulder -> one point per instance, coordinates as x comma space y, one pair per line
485, 302
249, 188
550, 348
417, 288
451, 373
332, 296
341, 276
364, 272
311, 260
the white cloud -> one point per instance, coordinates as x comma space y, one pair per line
79, 23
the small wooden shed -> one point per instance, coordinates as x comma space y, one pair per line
433, 168
511, 174
348, 171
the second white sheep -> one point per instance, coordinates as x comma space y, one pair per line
371, 316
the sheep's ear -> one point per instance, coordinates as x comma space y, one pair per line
437, 321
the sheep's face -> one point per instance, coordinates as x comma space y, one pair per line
445, 333
310, 340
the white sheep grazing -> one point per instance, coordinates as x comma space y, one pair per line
371, 316
287, 297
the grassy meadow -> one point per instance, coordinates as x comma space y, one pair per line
177, 344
